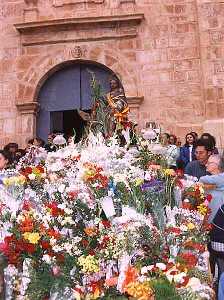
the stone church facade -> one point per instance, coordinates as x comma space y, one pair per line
169, 55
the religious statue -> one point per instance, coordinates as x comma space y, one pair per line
109, 112
117, 101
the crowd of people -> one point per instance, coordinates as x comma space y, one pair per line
200, 158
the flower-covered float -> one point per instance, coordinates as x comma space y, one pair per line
98, 221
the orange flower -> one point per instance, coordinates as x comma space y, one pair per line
130, 276
26, 225
111, 281
90, 231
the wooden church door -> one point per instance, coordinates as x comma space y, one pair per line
64, 92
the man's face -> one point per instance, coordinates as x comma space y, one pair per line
202, 154
50, 138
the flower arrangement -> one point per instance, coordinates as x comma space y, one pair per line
93, 222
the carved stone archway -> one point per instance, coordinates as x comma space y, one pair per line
42, 67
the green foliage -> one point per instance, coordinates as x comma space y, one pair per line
164, 290
112, 294
101, 119
42, 281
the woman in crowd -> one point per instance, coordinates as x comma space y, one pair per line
12, 149
4, 160
38, 142
187, 152
214, 183
215, 166
211, 140
172, 152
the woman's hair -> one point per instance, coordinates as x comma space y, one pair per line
174, 138
11, 145
210, 138
6, 155
190, 133
30, 141
40, 141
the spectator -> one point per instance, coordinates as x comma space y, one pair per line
217, 240
20, 153
29, 144
50, 147
211, 140
187, 152
165, 139
197, 168
5, 159
221, 287
12, 148
195, 135
38, 142
215, 166
172, 152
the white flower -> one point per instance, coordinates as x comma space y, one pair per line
32, 176
161, 266
194, 283
67, 220
46, 258
57, 248
53, 241
148, 176
61, 188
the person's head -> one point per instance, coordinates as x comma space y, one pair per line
209, 138
202, 151
4, 159
50, 137
172, 139
165, 138
114, 83
189, 139
194, 134
215, 164
70, 139
11, 148
20, 153
38, 142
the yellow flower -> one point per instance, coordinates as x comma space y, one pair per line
203, 210
139, 181
190, 226
89, 264
7, 181
169, 172
32, 237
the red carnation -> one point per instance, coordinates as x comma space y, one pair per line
209, 197
45, 245
106, 223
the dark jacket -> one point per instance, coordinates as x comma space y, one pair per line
184, 157
196, 169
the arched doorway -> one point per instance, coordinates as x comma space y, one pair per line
64, 92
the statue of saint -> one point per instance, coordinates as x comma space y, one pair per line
117, 101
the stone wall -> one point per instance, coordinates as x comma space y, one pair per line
168, 54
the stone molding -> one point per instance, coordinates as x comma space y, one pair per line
34, 27
59, 3
28, 108
81, 29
